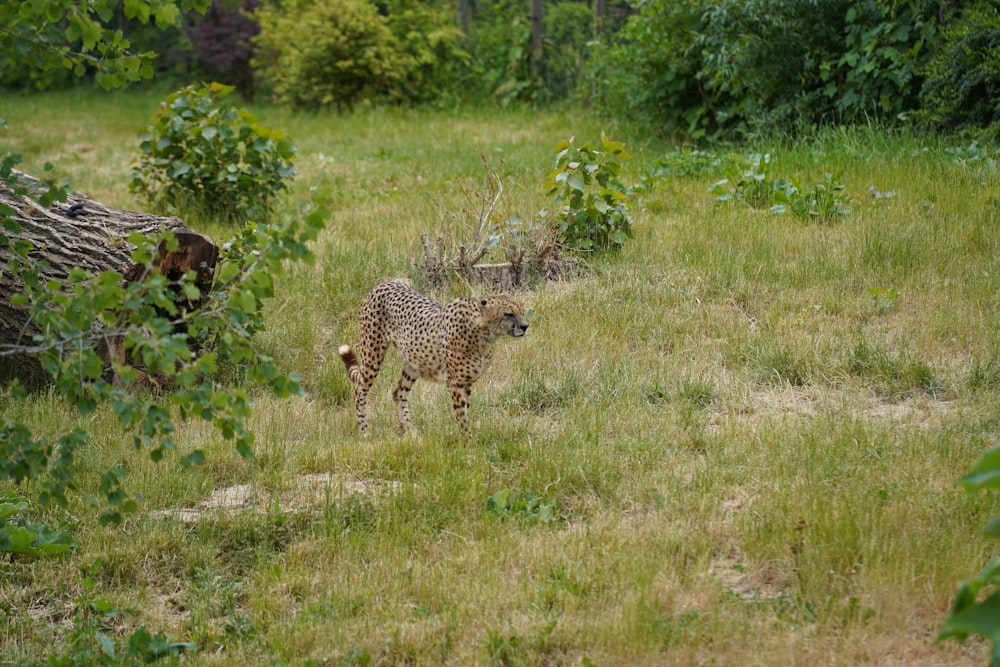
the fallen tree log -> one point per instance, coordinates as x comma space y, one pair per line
81, 233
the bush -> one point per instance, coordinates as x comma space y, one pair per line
593, 214
315, 55
200, 150
710, 69
430, 53
648, 72
877, 71
962, 85
499, 68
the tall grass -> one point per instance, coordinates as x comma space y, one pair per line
748, 449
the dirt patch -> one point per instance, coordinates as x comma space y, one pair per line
920, 410
306, 492
753, 584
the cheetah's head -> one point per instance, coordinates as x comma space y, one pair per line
503, 316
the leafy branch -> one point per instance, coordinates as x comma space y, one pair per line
151, 338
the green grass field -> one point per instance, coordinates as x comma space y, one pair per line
733, 443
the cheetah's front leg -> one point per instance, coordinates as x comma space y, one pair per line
460, 405
401, 397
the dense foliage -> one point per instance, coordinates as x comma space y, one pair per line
708, 69
324, 54
703, 69
201, 153
335, 53
962, 84
429, 45
42, 41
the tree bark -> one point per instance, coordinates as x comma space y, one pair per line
536, 41
463, 15
83, 233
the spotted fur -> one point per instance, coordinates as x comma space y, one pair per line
450, 344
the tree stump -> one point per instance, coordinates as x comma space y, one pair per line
544, 263
83, 233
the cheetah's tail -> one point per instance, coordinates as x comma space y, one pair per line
350, 362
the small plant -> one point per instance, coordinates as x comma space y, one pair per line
883, 299
24, 538
202, 151
92, 644
523, 505
976, 610
824, 202
503, 648
749, 184
593, 215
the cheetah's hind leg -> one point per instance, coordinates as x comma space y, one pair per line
401, 397
361, 377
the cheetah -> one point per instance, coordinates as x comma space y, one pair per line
450, 344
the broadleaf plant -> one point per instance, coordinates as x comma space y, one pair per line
202, 153
976, 609
174, 349
592, 213
20, 537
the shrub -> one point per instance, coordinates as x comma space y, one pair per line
649, 72
708, 69
200, 150
593, 214
329, 53
500, 63
962, 85
430, 53
876, 73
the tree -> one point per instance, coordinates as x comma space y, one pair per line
78, 35
172, 330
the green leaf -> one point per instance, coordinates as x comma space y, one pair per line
166, 14
137, 9
985, 474
575, 181
11, 505
992, 528
979, 619
35, 540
